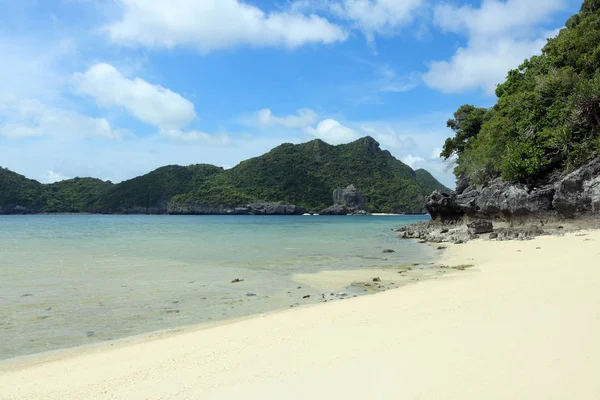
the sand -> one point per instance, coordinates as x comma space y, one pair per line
523, 323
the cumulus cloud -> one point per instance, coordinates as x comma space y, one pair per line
215, 24
333, 132
53, 176
147, 102
415, 162
388, 137
500, 35
304, 117
377, 16
27, 118
196, 136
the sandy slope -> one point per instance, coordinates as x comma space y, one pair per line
523, 324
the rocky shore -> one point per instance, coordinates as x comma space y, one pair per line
249, 209
512, 211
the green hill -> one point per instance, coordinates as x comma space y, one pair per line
16, 190
304, 175
547, 117
155, 189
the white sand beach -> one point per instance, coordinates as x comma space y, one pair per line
523, 323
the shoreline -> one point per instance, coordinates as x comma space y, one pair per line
335, 282
519, 313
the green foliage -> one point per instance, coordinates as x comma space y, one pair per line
466, 125
15, 190
155, 189
304, 174
74, 195
547, 116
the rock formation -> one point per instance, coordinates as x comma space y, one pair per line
347, 201
575, 195
249, 209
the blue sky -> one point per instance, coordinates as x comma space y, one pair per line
115, 88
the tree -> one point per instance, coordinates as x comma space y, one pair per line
466, 124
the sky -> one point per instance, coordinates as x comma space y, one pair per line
116, 88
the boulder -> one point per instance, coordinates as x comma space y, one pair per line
480, 227
442, 206
579, 192
336, 209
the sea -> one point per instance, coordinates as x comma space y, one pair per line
72, 280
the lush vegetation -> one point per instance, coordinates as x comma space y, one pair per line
154, 190
306, 175
303, 174
547, 117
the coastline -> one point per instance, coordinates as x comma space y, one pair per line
522, 322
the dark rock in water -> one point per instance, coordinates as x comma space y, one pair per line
376, 279
306, 297
442, 248
248, 209
480, 227
237, 280
389, 251
336, 209
251, 294
90, 334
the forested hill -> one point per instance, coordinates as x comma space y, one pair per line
304, 175
547, 117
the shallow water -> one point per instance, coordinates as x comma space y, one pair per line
68, 280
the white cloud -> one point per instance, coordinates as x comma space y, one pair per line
389, 138
196, 136
34, 68
480, 67
435, 153
216, 24
501, 35
53, 176
377, 16
415, 162
149, 103
303, 118
333, 132
26, 118
495, 18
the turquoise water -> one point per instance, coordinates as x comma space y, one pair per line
68, 280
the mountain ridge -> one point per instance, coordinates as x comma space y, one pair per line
302, 174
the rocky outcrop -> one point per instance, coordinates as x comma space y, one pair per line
480, 227
442, 206
347, 201
249, 209
457, 232
18, 209
336, 209
579, 192
574, 195
350, 197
